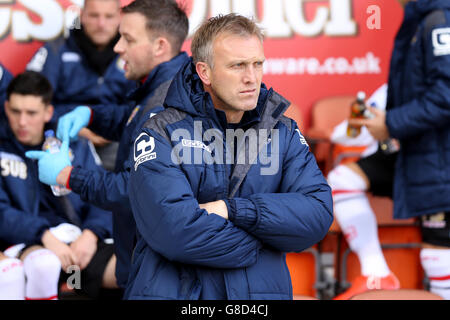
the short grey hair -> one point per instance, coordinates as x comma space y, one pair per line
234, 24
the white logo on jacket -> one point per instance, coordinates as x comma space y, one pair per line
441, 41
13, 165
38, 61
302, 138
143, 149
195, 144
70, 57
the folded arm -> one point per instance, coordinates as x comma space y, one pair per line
171, 221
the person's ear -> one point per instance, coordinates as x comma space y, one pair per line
161, 47
204, 72
49, 109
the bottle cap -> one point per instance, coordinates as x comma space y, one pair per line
49, 133
361, 95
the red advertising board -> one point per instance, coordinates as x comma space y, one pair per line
314, 48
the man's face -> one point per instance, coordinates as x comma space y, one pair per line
135, 46
27, 116
235, 79
100, 20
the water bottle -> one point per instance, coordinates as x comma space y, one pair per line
358, 110
52, 144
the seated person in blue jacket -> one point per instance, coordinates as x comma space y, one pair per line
46, 232
84, 69
5, 78
214, 217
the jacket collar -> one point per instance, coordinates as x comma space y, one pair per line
157, 76
415, 11
425, 6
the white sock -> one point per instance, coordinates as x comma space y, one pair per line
436, 264
357, 220
12, 280
42, 269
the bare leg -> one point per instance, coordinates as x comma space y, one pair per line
109, 277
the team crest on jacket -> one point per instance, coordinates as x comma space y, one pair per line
441, 41
143, 149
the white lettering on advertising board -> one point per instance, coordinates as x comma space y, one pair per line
279, 18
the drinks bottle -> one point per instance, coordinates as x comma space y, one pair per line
52, 144
358, 110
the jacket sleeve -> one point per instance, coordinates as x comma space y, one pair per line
169, 218
432, 109
100, 187
95, 219
103, 188
98, 221
5, 78
47, 61
300, 213
109, 121
17, 226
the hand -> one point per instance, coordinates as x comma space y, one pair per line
72, 122
97, 140
64, 253
63, 176
51, 164
85, 247
218, 207
376, 125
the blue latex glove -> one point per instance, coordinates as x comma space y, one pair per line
72, 122
51, 164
